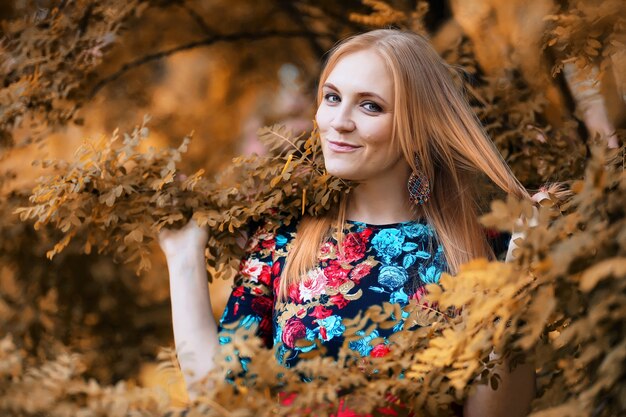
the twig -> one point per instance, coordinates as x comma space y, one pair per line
434, 310
82, 25
242, 36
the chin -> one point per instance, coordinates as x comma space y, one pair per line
343, 172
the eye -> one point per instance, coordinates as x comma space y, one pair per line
372, 107
331, 98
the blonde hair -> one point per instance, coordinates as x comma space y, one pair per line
433, 122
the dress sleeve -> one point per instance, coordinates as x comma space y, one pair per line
499, 242
251, 301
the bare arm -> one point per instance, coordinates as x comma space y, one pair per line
515, 392
516, 389
195, 329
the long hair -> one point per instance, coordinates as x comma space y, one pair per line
432, 121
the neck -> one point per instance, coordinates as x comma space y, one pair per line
383, 200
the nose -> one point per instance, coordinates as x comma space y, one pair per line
342, 122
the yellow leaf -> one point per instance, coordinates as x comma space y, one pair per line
615, 267
286, 165
136, 235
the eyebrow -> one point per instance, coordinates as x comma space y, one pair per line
361, 94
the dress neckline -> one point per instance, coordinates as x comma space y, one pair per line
388, 225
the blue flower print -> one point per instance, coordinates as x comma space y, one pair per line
280, 353
397, 260
413, 230
244, 363
399, 297
310, 334
398, 327
440, 259
430, 275
392, 277
249, 321
281, 240
388, 244
363, 345
246, 322
330, 327
409, 246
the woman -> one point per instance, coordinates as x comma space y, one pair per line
390, 119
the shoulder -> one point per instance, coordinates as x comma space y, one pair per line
269, 235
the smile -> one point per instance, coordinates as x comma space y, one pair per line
342, 147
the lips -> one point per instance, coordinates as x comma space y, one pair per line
338, 146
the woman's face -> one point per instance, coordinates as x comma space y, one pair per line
355, 119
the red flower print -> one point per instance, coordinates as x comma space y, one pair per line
313, 284
266, 275
286, 398
327, 250
256, 240
268, 244
276, 286
353, 247
262, 306
320, 312
251, 269
419, 293
294, 293
344, 411
359, 271
294, 329
323, 333
339, 300
380, 350
491, 233
276, 269
336, 274
238, 292
365, 234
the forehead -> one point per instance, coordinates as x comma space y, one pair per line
362, 71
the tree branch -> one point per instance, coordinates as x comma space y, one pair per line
198, 19
338, 18
82, 25
235, 37
295, 14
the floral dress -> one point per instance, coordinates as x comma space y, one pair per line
377, 264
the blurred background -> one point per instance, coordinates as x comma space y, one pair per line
545, 76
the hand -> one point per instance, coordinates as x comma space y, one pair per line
190, 239
541, 195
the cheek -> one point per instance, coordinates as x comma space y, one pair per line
377, 135
322, 117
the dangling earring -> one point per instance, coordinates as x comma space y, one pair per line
419, 186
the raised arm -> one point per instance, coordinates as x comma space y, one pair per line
516, 389
195, 329
250, 302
